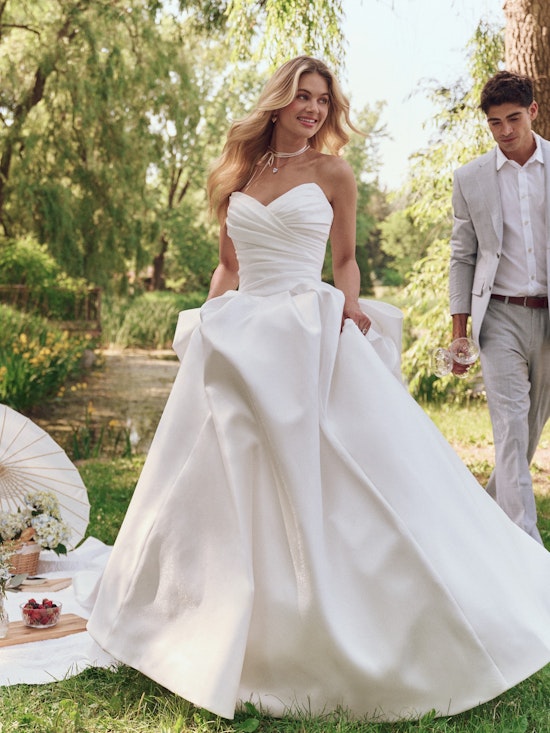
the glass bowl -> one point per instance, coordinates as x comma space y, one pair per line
40, 615
441, 362
464, 351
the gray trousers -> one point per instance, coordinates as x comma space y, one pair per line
515, 361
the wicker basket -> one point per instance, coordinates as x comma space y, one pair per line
25, 558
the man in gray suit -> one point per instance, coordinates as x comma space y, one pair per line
499, 274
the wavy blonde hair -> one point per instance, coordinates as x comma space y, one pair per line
249, 138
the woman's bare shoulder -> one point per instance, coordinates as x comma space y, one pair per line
335, 175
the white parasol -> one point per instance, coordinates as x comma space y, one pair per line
31, 460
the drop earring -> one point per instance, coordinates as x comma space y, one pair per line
274, 118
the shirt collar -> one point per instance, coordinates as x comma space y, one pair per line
537, 155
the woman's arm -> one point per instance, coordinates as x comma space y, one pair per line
342, 238
226, 275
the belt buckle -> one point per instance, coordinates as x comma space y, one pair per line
525, 299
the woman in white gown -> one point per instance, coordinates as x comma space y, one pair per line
302, 536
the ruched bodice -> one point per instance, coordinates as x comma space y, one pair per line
283, 243
302, 535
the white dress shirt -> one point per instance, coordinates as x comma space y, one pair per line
522, 267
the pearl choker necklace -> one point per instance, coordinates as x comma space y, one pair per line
273, 154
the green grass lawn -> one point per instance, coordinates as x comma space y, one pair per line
102, 701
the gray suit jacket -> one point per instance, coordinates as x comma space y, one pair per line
476, 241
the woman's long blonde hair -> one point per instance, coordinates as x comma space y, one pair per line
249, 138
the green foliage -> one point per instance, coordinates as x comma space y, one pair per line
390, 277
403, 244
36, 358
25, 262
281, 29
427, 309
184, 240
363, 262
193, 251
112, 114
110, 119
146, 321
362, 153
90, 440
460, 136
36, 283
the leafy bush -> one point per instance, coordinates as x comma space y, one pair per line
428, 327
45, 288
36, 358
146, 321
25, 262
391, 278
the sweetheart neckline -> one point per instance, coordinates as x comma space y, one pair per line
282, 195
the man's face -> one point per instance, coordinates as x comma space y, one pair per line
510, 125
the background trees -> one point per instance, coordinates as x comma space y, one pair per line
111, 113
100, 107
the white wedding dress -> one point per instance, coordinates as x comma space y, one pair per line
302, 536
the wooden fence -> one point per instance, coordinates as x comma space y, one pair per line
72, 310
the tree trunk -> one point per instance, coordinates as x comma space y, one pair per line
13, 138
157, 280
527, 51
174, 198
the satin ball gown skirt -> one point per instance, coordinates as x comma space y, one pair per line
302, 536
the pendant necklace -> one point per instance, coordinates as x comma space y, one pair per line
269, 158
273, 154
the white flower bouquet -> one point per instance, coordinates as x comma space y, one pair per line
5, 574
39, 521
5, 577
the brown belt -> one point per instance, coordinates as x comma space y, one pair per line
526, 300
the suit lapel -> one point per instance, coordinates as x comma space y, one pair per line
489, 191
546, 157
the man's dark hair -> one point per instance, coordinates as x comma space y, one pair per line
506, 87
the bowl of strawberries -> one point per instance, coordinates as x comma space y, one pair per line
40, 614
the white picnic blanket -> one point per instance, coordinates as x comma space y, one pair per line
39, 662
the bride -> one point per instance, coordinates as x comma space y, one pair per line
302, 536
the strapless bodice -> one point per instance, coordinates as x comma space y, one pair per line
282, 244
